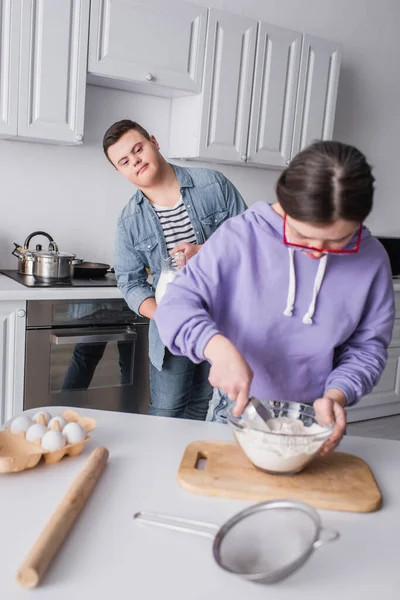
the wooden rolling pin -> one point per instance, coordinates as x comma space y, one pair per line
61, 521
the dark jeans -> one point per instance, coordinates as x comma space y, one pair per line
181, 389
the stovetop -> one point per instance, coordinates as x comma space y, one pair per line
108, 280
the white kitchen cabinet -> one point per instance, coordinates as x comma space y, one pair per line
152, 43
255, 77
274, 95
317, 92
10, 14
52, 78
384, 400
214, 125
12, 352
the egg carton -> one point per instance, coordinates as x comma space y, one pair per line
17, 454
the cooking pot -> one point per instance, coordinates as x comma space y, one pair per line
26, 257
52, 265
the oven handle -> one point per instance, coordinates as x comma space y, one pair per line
128, 335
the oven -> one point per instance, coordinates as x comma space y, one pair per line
86, 354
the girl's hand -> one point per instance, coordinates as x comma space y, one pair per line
229, 371
330, 410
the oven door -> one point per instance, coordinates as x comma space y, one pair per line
91, 367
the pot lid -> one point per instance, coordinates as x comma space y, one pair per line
54, 254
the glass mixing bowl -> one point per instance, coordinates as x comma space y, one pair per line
286, 443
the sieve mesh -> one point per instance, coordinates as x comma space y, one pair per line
265, 542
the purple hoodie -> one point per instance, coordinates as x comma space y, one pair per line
303, 325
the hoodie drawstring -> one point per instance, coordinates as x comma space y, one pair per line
307, 319
288, 312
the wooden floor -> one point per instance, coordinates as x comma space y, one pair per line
386, 428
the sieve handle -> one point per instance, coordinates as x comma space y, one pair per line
326, 535
177, 523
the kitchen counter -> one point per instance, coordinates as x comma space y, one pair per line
11, 290
108, 555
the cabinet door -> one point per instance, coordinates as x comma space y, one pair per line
274, 95
10, 11
148, 40
52, 84
12, 352
316, 100
229, 66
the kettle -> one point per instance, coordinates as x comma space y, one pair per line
26, 257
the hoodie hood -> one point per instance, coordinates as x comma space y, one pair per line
272, 223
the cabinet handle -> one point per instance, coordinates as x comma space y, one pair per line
79, 137
149, 77
21, 313
243, 157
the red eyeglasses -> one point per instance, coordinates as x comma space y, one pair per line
322, 250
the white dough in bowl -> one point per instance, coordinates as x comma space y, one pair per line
74, 433
287, 448
21, 423
35, 432
53, 440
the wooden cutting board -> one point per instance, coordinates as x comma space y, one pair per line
337, 481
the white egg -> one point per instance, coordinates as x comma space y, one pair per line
60, 420
21, 423
44, 413
53, 440
35, 432
74, 433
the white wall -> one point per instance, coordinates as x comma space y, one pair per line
75, 195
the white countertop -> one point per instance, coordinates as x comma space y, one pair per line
108, 555
11, 290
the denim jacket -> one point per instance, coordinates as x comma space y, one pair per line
209, 198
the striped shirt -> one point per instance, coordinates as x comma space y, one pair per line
175, 224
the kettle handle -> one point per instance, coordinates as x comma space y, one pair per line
28, 239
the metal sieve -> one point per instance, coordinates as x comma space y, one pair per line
263, 543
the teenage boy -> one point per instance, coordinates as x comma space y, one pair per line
175, 209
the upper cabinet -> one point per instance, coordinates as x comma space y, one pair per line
243, 91
10, 15
225, 108
267, 92
43, 69
155, 43
318, 84
53, 69
274, 96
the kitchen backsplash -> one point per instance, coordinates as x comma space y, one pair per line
74, 194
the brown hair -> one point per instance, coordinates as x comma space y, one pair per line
325, 182
117, 130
